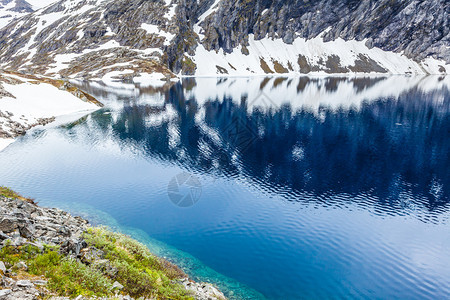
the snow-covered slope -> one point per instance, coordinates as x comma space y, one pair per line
314, 56
14, 9
11, 9
27, 101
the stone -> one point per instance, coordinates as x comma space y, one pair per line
72, 246
8, 224
24, 283
117, 286
91, 255
64, 231
4, 293
2, 267
26, 231
106, 267
3, 236
40, 282
21, 266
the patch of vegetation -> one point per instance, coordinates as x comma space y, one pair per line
141, 273
8, 193
189, 66
66, 276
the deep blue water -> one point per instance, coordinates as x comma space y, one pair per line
294, 188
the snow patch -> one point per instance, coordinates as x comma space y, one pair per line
276, 53
153, 29
5, 143
153, 79
36, 101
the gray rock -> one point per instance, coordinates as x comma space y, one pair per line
8, 224
2, 267
21, 266
4, 293
117, 286
3, 236
24, 283
64, 231
73, 247
26, 231
40, 282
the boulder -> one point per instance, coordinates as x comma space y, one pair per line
73, 247
27, 231
8, 224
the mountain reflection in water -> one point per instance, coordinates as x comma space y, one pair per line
306, 138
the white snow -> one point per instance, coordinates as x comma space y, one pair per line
5, 143
37, 4
109, 31
34, 101
62, 61
41, 100
153, 29
172, 9
150, 28
6, 15
314, 50
153, 79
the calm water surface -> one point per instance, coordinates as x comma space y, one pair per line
278, 188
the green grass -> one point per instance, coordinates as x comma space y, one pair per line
7, 192
141, 273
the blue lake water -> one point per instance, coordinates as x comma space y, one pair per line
277, 188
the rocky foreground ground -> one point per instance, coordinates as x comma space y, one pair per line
30, 234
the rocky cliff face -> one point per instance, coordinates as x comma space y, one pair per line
81, 38
419, 28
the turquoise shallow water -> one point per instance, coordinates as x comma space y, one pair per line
278, 188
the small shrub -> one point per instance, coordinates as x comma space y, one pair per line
140, 272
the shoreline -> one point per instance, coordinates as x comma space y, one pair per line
28, 101
95, 250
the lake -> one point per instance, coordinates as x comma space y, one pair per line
277, 187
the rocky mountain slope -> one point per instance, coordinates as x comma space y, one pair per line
81, 38
10, 9
13, 9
